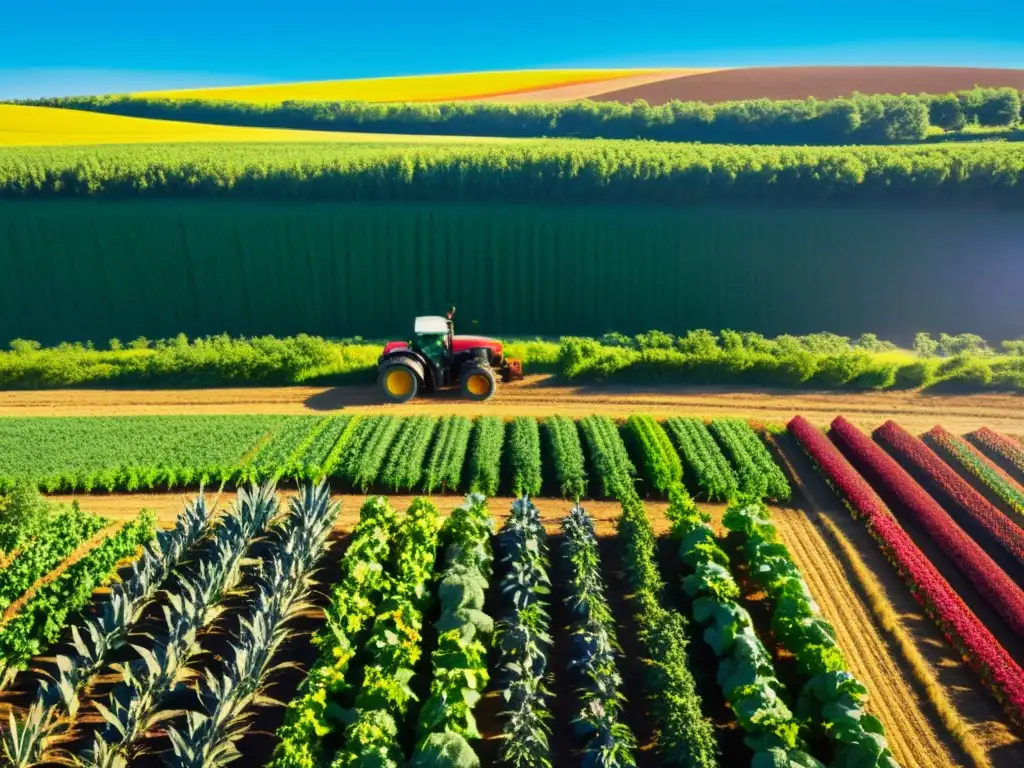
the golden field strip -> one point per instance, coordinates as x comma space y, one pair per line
454, 87
45, 126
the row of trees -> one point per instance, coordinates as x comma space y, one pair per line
555, 171
859, 119
703, 342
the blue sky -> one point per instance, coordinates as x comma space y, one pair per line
54, 47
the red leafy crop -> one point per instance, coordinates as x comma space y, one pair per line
957, 622
970, 559
1008, 448
903, 444
975, 462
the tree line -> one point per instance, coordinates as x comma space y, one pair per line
555, 171
859, 119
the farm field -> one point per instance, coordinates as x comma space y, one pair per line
22, 126
932, 708
819, 82
453, 87
539, 396
600, 566
656, 86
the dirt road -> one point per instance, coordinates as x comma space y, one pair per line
539, 396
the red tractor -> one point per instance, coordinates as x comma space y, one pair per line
436, 358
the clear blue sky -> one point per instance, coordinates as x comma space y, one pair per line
54, 47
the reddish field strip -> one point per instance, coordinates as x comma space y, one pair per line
892, 481
819, 82
998, 671
977, 464
903, 444
1007, 448
540, 395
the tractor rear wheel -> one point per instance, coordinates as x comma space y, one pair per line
478, 383
398, 382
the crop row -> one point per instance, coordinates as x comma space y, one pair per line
594, 650
38, 623
971, 460
893, 483
443, 470
1004, 447
759, 476
703, 457
393, 649
446, 724
976, 508
608, 455
567, 455
195, 600
488, 442
280, 450
406, 456
746, 673
305, 739
661, 465
684, 737
831, 698
58, 537
128, 453
524, 638
962, 628
227, 696
524, 456
95, 640
385, 452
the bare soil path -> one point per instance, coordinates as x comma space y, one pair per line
541, 396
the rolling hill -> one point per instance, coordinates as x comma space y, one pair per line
45, 126
453, 87
819, 82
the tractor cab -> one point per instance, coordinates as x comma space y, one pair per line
435, 358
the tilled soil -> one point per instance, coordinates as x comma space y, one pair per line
540, 396
819, 82
917, 736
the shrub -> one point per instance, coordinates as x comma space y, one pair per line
946, 112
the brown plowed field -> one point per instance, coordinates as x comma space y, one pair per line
820, 82
538, 396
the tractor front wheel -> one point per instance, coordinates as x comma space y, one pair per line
398, 383
478, 383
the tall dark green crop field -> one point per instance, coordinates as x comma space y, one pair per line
93, 269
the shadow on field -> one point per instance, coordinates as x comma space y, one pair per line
337, 398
